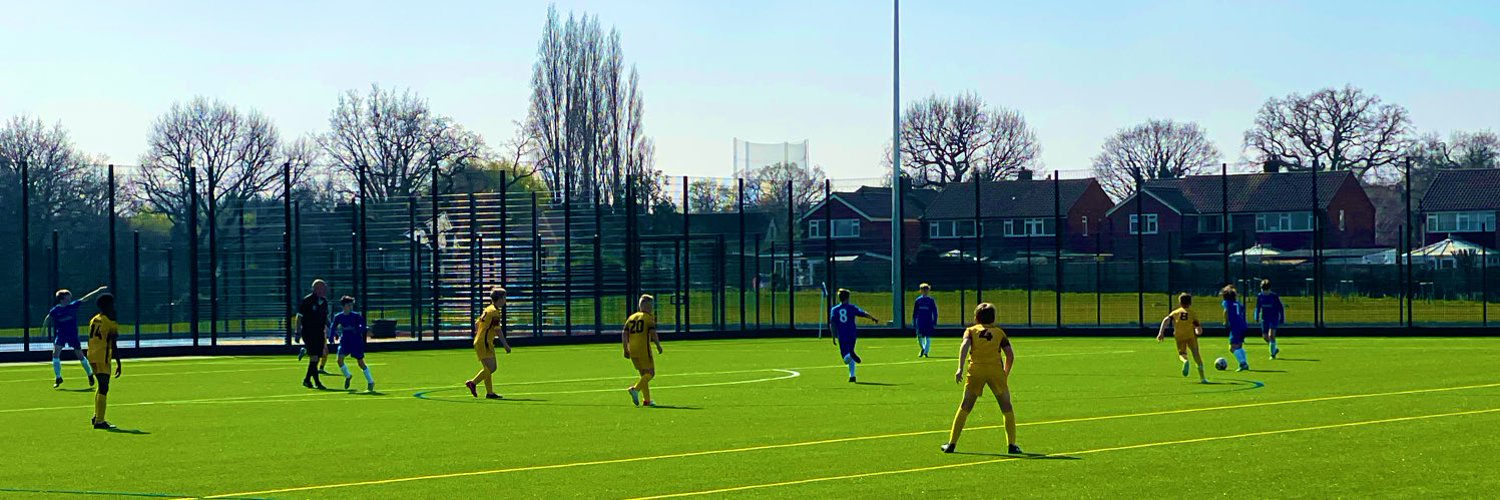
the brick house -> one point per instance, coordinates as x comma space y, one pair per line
1017, 215
1463, 204
1269, 208
860, 236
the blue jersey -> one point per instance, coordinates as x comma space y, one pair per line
924, 315
65, 318
842, 318
1268, 308
348, 326
1234, 316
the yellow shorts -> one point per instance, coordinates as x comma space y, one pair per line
985, 375
484, 352
644, 363
1186, 345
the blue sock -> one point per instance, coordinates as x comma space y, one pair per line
1273, 345
56, 367
345, 369
926, 344
368, 378
84, 360
849, 360
1240, 355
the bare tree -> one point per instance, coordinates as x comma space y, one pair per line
1336, 129
1461, 150
955, 139
586, 112
766, 186
397, 139
235, 155
1156, 149
63, 179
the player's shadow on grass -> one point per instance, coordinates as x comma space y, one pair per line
136, 432
1305, 360
878, 384
91, 389
670, 407
1023, 456
1267, 371
367, 393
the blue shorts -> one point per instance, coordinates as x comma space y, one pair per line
846, 345
1268, 325
1237, 336
67, 340
925, 331
352, 349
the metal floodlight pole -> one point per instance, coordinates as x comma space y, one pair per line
898, 229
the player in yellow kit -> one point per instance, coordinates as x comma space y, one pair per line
990, 359
487, 329
104, 335
1185, 329
639, 334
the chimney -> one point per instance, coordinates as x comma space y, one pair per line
1272, 165
1024, 175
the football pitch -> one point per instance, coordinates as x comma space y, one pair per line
1112, 417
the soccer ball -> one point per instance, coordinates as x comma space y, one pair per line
1221, 363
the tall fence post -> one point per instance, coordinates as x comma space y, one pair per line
740, 209
171, 292
1224, 217
537, 290
135, 284
192, 237
475, 286
114, 281
504, 232
414, 279
26, 257
687, 263
1408, 232
290, 294
828, 261
1140, 252
568, 255
598, 264
1099, 277
979, 249
1317, 243
759, 240
791, 262
434, 235
1030, 285
1058, 225
213, 261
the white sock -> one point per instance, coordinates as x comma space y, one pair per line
368, 378
345, 369
849, 360
56, 366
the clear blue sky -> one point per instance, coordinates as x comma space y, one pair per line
764, 71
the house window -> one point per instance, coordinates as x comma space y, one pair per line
1283, 222
1085, 225
815, 228
943, 229
1150, 224
1037, 226
842, 228
1460, 222
1341, 221
1212, 223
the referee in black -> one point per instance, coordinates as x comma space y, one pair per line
312, 320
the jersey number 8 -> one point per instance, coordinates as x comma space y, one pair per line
843, 315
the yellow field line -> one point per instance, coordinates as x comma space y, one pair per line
1072, 453
833, 441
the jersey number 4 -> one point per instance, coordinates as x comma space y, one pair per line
986, 335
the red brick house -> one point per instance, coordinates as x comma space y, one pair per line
1017, 215
1463, 204
1273, 209
861, 223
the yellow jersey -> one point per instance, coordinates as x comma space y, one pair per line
1184, 322
641, 327
102, 334
487, 327
986, 343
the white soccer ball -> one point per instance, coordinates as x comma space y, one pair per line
1221, 363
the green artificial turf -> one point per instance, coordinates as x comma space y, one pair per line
1107, 418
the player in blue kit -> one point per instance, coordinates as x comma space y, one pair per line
62, 319
924, 315
841, 320
1270, 313
349, 328
1234, 321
